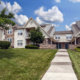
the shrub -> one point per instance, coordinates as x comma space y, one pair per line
32, 47
78, 47
4, 44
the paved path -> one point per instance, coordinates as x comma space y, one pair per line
61, 67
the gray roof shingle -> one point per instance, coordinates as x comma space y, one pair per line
63, 32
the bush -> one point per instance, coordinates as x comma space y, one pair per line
78, 47
32, 47
4, 44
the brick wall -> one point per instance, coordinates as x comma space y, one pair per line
10, 36
71, 46
47, 46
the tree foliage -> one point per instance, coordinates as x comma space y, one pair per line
6, 19
36, 36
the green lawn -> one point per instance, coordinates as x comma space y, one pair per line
24, 64
75, 57
77, 49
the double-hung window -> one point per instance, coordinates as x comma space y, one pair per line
10, 40
20, 32
10, 31
57, 37
20, 42
69, 37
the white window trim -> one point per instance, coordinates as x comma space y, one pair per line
20, 42
20, 32
10, 31
57, 37
10, 40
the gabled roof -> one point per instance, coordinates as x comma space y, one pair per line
63, 32
36, 24
47, 33
48, 28
33, 21
75, 29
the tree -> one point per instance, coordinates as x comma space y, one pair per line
6, 19
36, 36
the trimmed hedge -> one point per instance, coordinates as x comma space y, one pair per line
4, 44
31, 47
78, 47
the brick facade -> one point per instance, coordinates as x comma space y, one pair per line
47, 44
71, 46
7, 36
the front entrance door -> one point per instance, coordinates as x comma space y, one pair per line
62, 45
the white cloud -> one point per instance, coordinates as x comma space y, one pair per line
21, 19
15, 9
67, 27
39, 20
74, 1
2, 6
50, 16
72, 23
57, 1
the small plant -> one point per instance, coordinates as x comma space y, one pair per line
78, 47
4, 44
32, 47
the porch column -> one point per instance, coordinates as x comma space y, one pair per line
46, 41
51, 41
75, 41
58, 45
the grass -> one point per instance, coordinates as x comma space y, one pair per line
77, 49
75, 57
24, 64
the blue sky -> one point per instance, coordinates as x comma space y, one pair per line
69, 9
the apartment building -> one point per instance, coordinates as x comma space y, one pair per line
19, 35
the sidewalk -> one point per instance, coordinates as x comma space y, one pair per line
61, 67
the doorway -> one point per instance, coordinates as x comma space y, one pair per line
62, 45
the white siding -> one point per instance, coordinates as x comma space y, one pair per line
19, 37
2, 36
31, 24
63, 38
44, 34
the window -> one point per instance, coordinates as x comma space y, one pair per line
10, 40
10, 31
68, 37
57, 37
20, 42
20, 32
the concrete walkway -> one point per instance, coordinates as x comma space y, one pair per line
61, 68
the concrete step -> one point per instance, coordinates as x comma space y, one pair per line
62, 59
59, 76
62, 53
61, 69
